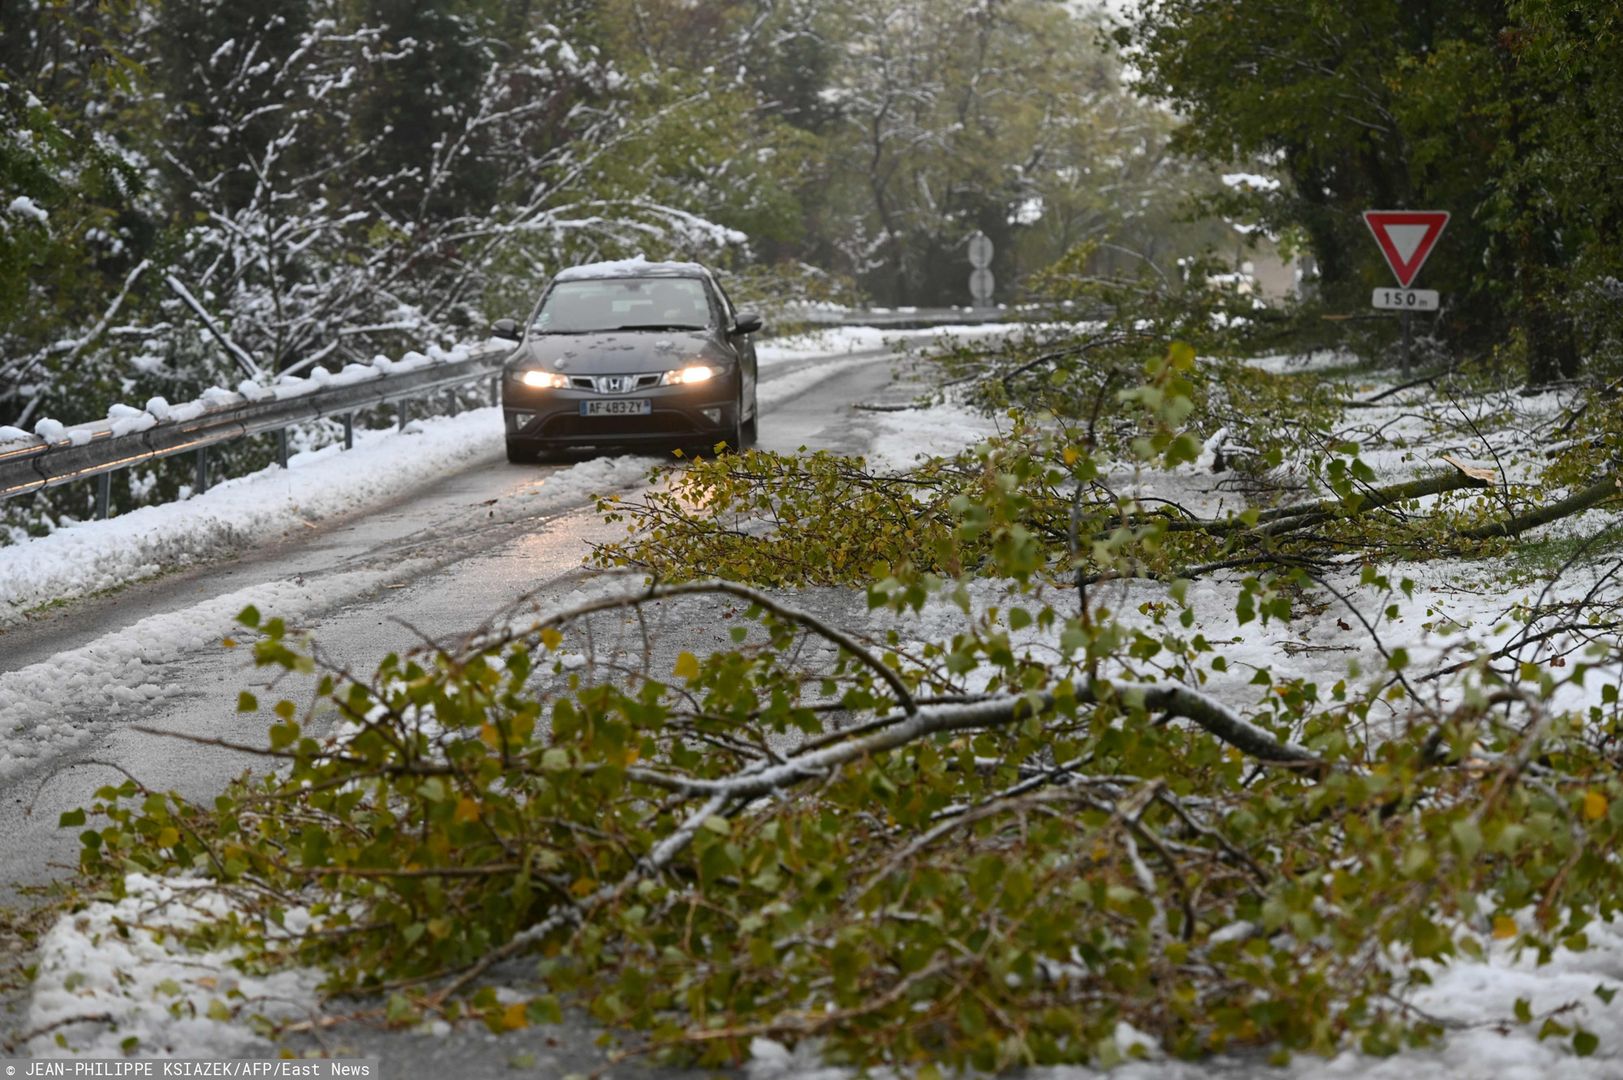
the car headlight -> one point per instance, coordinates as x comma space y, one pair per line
544, 380
694, 373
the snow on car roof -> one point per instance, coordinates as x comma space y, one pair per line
633, 267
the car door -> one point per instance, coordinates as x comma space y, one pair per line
743, 345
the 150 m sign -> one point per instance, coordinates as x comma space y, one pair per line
1406, 299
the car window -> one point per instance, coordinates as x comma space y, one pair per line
619, 303
729, 313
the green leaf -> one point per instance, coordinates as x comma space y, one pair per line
1468, 837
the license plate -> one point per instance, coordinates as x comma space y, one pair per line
619, 407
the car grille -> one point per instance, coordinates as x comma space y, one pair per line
613, 384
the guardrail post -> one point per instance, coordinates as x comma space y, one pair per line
495, 389
201, 482
281, 448
349, 431
104, 495
402, 409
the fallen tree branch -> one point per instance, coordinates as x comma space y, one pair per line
1607, 487
1289, 518
1370, 402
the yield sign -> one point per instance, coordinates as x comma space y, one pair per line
1406, 238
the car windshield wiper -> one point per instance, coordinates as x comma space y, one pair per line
660, 326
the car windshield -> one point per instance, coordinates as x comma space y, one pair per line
590, 305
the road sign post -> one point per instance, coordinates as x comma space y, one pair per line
1406, 238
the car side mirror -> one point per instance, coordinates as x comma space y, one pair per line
505, 328
748, 323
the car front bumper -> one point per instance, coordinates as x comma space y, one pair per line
552, 418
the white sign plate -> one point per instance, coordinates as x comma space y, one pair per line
1406, 299
981, 284
980, 251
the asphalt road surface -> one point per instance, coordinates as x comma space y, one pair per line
435, 564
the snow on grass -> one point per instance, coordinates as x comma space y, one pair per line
123, 962
251, 510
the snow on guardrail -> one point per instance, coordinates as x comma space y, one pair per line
125, 419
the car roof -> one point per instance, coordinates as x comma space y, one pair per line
634, 267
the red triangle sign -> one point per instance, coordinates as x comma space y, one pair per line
1406, 238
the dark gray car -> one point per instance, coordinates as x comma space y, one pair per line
630, 353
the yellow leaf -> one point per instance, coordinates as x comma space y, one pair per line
687, 666
168, 836
551, 638
583, 886
1595, 805
229, 643
1504, 927
491, 736
515, 1017
1071, 455
466, 810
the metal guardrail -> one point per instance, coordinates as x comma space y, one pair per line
26, 468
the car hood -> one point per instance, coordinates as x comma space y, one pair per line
620, 352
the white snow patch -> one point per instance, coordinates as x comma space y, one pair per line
1252, 181
25, 207
626, 268
1286, 363
937, 431
117, 959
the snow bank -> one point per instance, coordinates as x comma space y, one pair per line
256, 509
